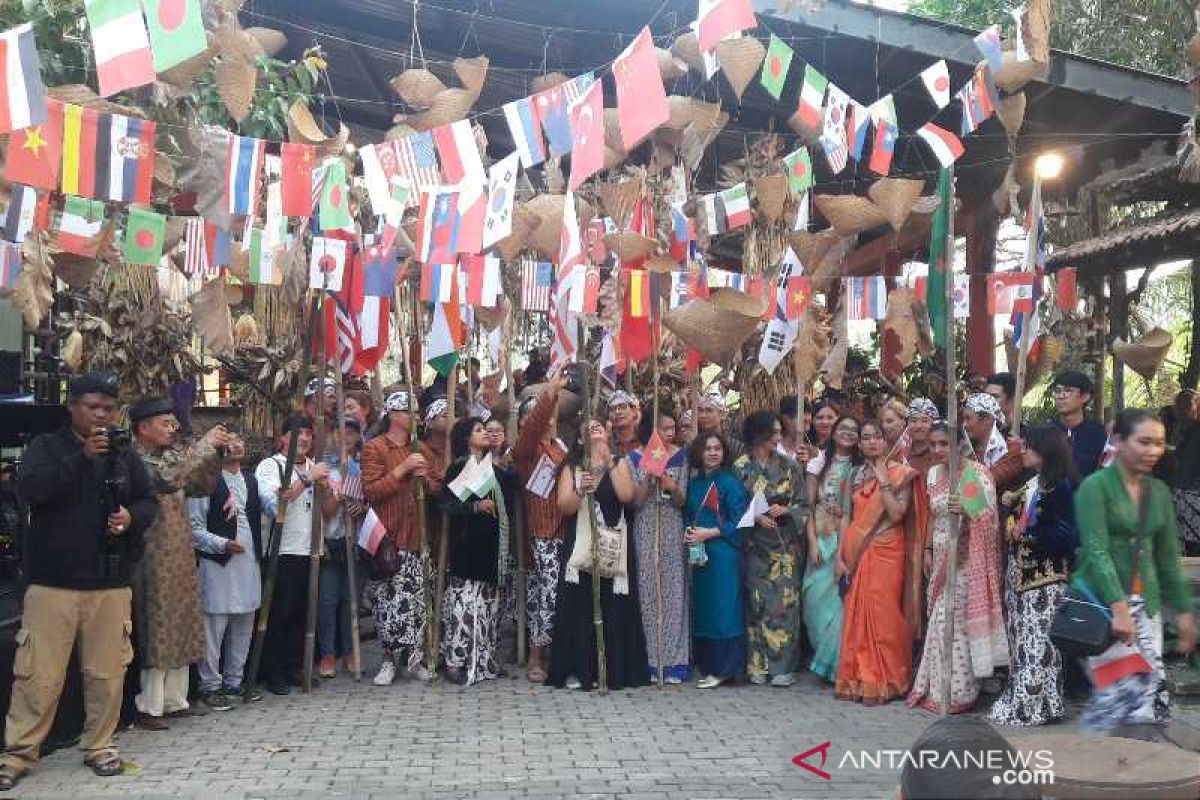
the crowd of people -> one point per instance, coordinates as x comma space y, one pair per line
818, 541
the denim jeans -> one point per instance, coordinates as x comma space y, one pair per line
333, 606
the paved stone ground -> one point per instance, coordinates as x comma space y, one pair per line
504, 739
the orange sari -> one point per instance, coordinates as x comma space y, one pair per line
877, 635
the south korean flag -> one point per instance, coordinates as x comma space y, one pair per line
780, 335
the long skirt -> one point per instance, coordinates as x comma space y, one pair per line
876, 657
1034, 693
822, 607
469, 620
1138, 696
773, 574
543, 590
964, 685
398, 606
670, 580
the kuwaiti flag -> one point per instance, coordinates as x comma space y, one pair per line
121, 45
936, 78
812, 97
23, 102
371, 534
243, 168
945, 145
719, 18
459, 153
79, 225
523, 124
736, 201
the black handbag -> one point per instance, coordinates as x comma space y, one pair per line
1082, 625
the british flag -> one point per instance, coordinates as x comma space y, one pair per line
537, 280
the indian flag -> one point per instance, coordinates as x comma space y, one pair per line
79, 226
263, 267
812, 98
737, 206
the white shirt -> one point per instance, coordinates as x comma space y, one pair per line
296, 539
234, 587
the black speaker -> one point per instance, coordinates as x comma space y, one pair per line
10, 371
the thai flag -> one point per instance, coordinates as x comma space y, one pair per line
522, 119
371, 533
244, 167
736, 280
436, 282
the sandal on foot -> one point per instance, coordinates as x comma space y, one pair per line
106, 763
9, 777
535, 675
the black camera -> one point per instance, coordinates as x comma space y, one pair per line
119, 438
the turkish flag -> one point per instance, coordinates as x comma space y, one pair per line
35, 153
641, 97
587, 130
297, 166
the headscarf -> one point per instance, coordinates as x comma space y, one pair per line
923, 407
711, 400
330, 387
986, 405
436, 409
397, 401
621, 396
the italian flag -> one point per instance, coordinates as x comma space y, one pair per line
121, 44
812, 97
737, 206
79, 226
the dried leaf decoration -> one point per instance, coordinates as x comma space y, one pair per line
203, 154
899, 333
235, 73
210, 316
33, 294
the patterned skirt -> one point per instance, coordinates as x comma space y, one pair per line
1034, 693
398, 606
1137, 697
469, 622
542, 594
1187, 512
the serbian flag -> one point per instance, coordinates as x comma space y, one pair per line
298, 160
125, 158
371, 533
641, 97
22, 94
34, 154
721, 18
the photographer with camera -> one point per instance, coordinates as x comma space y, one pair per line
90, 501
166, 584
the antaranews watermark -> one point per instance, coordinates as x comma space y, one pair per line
1006, 766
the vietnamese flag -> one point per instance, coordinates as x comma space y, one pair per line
799, 293
35, 153
655, 456
297, 165
641, 97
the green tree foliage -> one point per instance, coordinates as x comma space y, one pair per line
1146, 34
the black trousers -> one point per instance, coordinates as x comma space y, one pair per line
283, 650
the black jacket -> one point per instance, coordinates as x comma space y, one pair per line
218, 525
68, 545
474, 542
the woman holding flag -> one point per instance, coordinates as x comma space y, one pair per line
716, 501
964, 508
882, 570
477, 497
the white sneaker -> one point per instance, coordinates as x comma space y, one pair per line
709, 682
758, 679
783, 680
418, 673
573, 683
386, 674
673, 680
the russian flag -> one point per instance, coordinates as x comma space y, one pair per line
525, 129
371, 533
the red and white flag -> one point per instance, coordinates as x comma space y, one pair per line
945, 145
195, 260
371, 533
641, 97
936, 78
570, 242
459, 152
1010, 292
472, 210
587, 130
482, 277
720, 18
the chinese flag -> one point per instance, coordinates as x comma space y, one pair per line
799, 292
298, 160
35, 153
641, 98
1067, 295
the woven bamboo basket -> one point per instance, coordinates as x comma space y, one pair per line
895, 198
741, 60
849, 214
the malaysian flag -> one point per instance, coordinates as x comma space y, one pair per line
537, 279
416, 160
195, 260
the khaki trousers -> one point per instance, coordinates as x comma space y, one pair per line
55, 621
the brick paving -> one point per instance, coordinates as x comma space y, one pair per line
504, 739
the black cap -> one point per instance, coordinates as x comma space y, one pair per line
297, 422
1073, 379
94, 383
150, 407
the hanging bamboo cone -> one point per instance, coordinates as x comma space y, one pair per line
771, 193
849, 214
741, 60
895, 198
524, 222
1011, 112
418, 87
687, 49
716, 326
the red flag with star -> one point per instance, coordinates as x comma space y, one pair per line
298, 160
711, 500
641, 97
655, 456
35, 153
587, 131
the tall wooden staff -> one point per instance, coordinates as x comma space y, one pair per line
953, 466
589, 501
348, 539
656, 486
1023, 346
522, 587
315, 541
443, 552
273, 540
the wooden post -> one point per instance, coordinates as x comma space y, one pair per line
953, 466
656, 487
522, 540
276, 534
443, 552
348, 538
1118, 322
316, 538
1029, 321
589, 403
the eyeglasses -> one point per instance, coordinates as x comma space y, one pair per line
1065, 390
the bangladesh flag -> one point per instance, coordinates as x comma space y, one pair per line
176, 31
775, 67
335, 197
144, 233
940, 258
971, 491
799, 170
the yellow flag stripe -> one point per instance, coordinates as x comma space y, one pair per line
72, 125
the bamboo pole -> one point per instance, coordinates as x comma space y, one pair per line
589, 404
1023, 346
443, 552
273, 541
316, 537
953, 466
522, 587
348, 536
656, 487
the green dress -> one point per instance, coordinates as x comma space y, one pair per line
774, 565
822, 602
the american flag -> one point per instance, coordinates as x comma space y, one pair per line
416, 159
352, 485
537, 279
341, 332
195, 262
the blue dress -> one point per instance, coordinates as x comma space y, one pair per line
717, 621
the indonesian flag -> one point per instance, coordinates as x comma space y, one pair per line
459, 152
371, 533
720, 18
945, 145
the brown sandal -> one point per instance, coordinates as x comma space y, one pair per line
10, 776
106, 763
